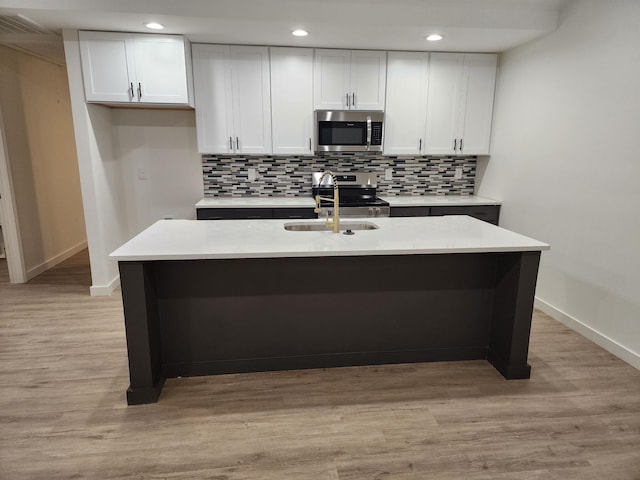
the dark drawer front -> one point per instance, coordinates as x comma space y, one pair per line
488, 213
287, 213
410, 211
234, 213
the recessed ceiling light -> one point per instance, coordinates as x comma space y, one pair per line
300, 33
154, 26
434, 37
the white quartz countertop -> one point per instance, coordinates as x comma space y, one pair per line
256, 202
199, 239
439, 200
294, 202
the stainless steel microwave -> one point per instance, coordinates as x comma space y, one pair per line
348, 131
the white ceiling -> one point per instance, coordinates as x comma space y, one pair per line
467, 25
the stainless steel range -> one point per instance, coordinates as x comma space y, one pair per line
357, 194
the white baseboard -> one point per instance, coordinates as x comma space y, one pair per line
104, 290
52, 262
610, 345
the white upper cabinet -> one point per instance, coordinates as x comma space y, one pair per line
251, 99
349, 79
368, 79
478, 114
214, 109
460, 103
108, 67
406, 111
292, 100
444, 97
233, 109
331, 79
136, 68
162, 69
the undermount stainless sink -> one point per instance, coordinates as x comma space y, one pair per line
322, 227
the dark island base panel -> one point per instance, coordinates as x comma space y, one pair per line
219, 367
202, 317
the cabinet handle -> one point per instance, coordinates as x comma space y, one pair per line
310, 144
139, 90
455, 144
353, 99
460, 145
347, 100
230, 143
237, 144
420, 146
132, 94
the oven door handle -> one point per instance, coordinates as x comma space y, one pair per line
368, 132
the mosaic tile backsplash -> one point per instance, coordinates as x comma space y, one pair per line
290, 176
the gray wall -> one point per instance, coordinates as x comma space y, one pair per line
565, 164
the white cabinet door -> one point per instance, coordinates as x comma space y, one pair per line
136, 68
444, 102
368, 80
214, 109
480, 80
331, 79
107, 60
161, 66
292, 100
406, 111
251, 99
460, 103
232, 99
349, 80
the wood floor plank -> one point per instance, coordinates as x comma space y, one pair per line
63, 412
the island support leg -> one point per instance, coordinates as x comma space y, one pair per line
143, 331
512, 311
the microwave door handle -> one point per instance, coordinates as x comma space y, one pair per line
368, 132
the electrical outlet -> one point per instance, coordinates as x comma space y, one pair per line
388, 173
458, 174
252, 174
142, 174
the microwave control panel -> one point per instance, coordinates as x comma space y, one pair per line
376, 133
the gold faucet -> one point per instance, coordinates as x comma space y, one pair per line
335, 223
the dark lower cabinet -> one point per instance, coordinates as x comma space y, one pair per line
488, 213
233, 213
409, 211
253, 213
291, 213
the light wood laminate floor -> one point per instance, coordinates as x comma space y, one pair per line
63, 413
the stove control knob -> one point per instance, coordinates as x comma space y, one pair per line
330, 212
371, 211
377, 211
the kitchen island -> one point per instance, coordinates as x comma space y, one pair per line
204, 298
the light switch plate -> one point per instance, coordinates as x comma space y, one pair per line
252, 174
388, 173
458, 174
